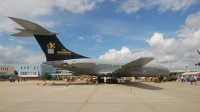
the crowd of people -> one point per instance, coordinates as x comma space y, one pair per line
191, 78
12, 79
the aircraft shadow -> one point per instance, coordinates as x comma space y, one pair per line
140, 85
131, 84
73, 83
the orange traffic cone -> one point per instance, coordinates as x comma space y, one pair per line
96, 84
43, 82
38, 83
66, 83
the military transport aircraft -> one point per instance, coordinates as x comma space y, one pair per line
60, 57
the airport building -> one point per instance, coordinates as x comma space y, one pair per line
34, 71
7, 70
191, 74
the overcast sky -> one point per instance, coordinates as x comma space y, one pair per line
168, 30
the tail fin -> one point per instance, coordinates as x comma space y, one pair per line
54, 49
49, 43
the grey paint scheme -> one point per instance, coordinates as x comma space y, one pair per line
100, 67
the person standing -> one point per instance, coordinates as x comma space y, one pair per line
184, 79
195, 79
10, 79
181, 78
157, 79
191, 79
13, 79
57, 78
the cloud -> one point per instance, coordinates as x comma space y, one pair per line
14, 55
77, 6
24, 42
26, 9
173, 5
98, 38
137, 17
81, 38
132, 6
96, 47
175, 53
193, 20
36, 10
122, 54
158, 40
191, 25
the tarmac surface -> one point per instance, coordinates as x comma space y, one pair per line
81, 97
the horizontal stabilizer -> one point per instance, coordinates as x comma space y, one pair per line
30, 28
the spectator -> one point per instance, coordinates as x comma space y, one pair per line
191, 79
57, 78
184, 78
195, 79
10, 79
157, 79
181, 78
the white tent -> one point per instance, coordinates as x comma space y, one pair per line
191, 73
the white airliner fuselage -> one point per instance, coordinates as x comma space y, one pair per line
100, 67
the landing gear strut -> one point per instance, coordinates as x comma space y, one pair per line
100, 80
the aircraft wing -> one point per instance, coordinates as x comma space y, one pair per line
138, 63
134, 64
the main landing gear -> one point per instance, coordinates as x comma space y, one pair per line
113, 80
